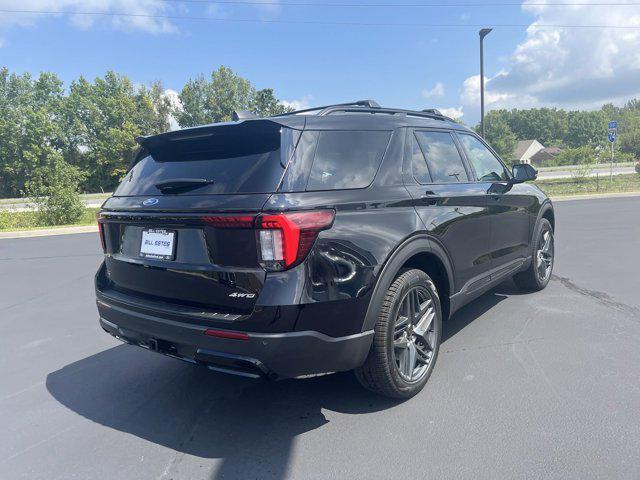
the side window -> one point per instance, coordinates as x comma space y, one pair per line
488, 168
443, 159
418, 163
346, 159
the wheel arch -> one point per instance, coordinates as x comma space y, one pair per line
416, 252
549, 214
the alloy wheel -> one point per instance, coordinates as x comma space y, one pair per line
544, 255
414, 335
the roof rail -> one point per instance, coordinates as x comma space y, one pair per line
369, 106
360, 103
434, 114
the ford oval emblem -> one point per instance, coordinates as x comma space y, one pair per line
150, 201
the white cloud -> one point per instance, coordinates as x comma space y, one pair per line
566, 67
300, 104
175, 103
436, 91
452, 112
131, 7
494, 98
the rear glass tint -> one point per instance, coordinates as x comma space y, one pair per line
346, 159
246, 158
336, 160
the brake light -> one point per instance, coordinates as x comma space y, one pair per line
230, 221
101, 233
286, 238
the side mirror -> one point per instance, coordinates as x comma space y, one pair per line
523, 172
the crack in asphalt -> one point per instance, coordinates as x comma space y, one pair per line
600, 297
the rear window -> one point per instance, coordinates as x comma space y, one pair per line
246, 158
336, 160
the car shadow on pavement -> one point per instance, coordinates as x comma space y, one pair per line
478, 307
249, 425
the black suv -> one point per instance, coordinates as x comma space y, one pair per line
330, 239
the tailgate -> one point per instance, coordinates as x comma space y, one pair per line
195, 264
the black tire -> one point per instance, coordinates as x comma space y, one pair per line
388, 357
532, 278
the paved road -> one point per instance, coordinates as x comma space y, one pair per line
539, 385
602, 172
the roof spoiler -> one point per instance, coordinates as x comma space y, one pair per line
202, 131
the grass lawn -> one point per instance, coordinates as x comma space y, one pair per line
29, 220
568, 186
84, 196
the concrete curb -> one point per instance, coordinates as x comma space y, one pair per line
45, 232
594, 196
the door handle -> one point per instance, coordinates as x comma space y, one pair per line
430, 194
430, 198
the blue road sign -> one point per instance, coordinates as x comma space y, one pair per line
612, 136
613, 125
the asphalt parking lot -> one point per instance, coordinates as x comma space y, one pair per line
543, 385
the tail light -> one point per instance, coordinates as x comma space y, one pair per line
284, 239
101, 233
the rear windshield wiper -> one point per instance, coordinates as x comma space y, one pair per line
180, 184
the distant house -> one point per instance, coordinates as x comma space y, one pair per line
525, 149
543, 156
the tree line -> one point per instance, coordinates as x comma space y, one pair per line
84, 134
581, 134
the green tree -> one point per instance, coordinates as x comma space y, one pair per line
30, 128
547, 125
105, 117
54, 188
193, 99
576, 156
227, 92
499, 135
628, 141
214, 101
265, 104
585, 128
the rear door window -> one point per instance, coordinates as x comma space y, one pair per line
444, 162
418, 163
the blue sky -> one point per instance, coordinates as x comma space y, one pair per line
405, 66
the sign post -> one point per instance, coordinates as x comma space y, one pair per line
613, 132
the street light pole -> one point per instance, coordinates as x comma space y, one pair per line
483, 33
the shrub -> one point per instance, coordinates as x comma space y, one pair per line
583, 159
638, 168
54, 189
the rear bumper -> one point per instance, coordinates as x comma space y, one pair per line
274, 355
